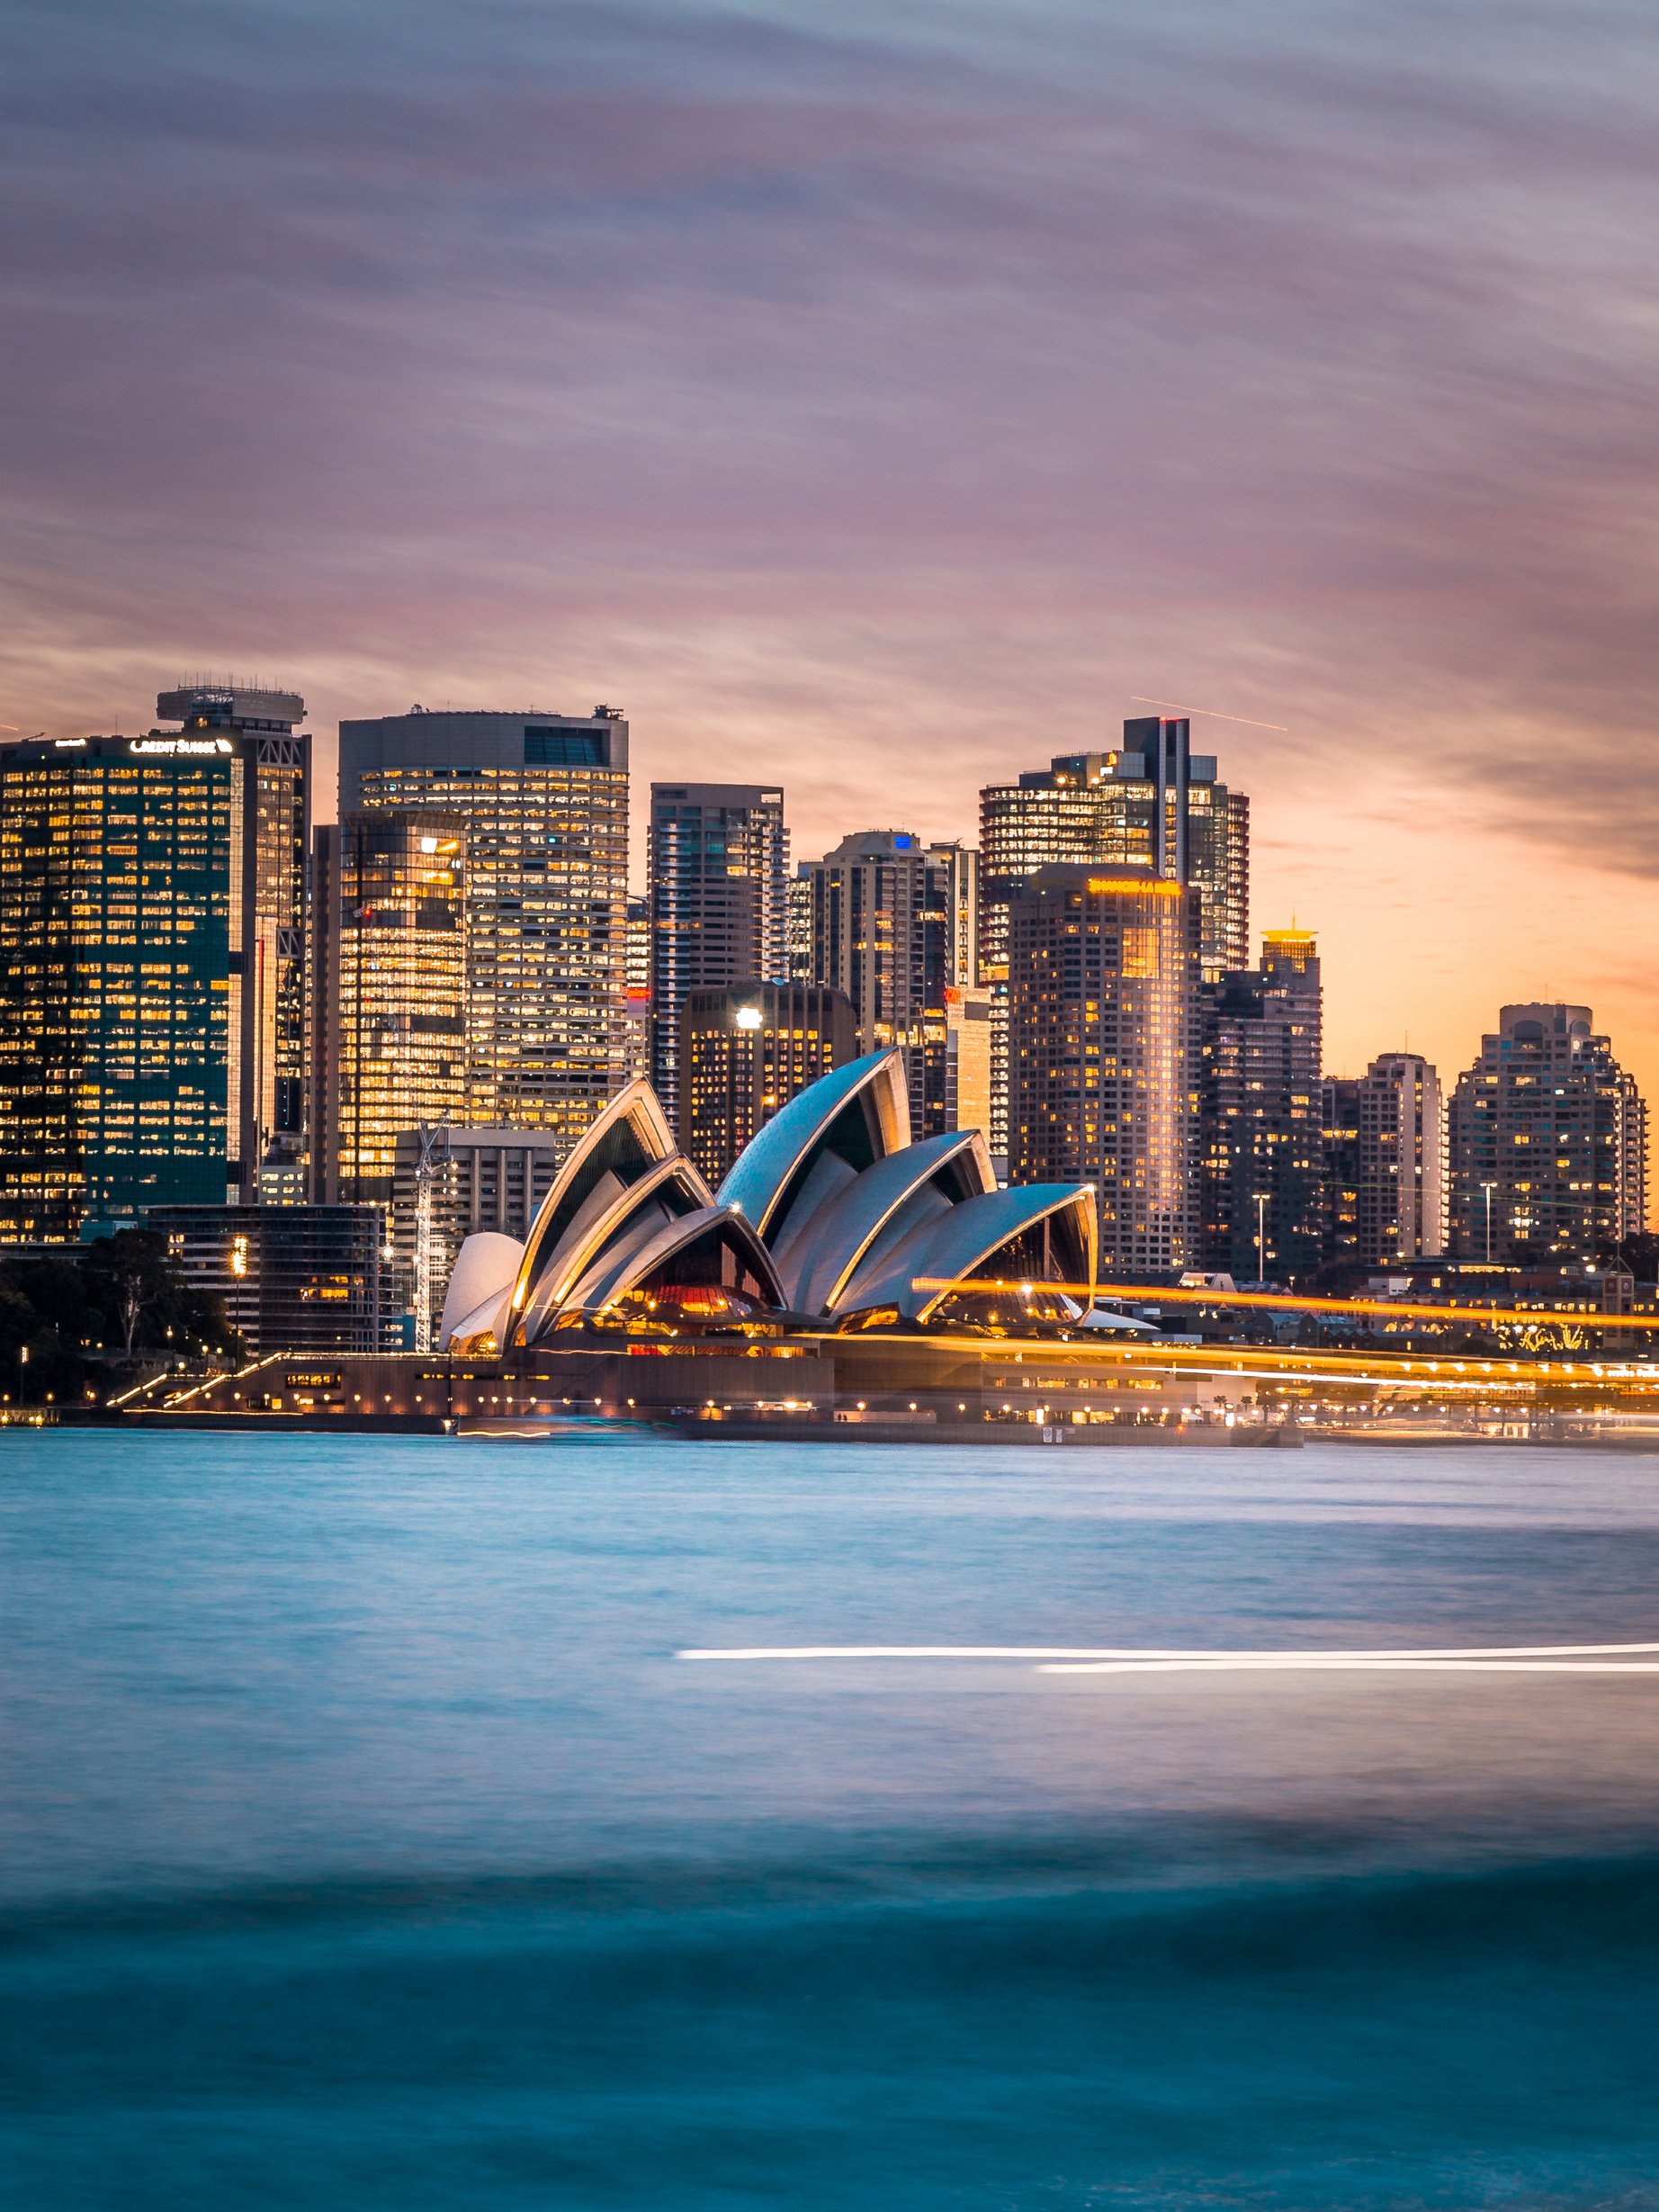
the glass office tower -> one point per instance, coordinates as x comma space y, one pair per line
396, 983
118, 871
1104, 1035
1152, 805
745, 1053
152, 936
894, 925
542, 800
269, 923
718, 885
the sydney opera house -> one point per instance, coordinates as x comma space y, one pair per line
830, 1222
839, 1274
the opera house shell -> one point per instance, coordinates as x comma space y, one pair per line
830, 1218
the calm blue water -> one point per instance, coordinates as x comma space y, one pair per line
362, 1842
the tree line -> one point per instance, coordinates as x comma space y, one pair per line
89, 1315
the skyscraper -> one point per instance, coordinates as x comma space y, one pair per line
1339, 1130
748, 1051
1105, 1053
1384, 1137
1153, 804
1263, 1157
1401, 1121
717, 880
394, 979
270, 965
639, 989
894, 924
798, 927
1548, 1142
543, 799
152, 930
116, 884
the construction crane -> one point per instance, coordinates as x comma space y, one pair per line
429, 1153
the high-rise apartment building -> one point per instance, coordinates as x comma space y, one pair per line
1339, 1136
152, 929
543, 802
392, 988
1261, 1141
1402, 1182
1548, 1142
748, 1051
894, 922
798, 927
717, 880
1384, 1137
1105, 1053
1153, 804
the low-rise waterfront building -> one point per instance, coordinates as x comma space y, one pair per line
304, 1279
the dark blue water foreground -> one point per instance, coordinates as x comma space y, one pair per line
364, 1842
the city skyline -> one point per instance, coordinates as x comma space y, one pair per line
1351, 1044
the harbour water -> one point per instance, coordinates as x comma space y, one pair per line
365, 1841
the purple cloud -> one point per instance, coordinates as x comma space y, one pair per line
886, 394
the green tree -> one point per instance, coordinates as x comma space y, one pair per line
145, 1301
127, 1275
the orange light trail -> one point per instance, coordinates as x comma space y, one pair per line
1420, 1373
1283, 1302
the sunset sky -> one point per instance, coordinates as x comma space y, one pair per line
882, 399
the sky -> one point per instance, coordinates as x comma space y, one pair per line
882, 399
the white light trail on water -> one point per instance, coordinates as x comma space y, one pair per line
1062, 1658
1335, 1662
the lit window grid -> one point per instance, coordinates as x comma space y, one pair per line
1024, 827
114, 909
1559, 1131
717, 896
547, 933
1104, 1060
